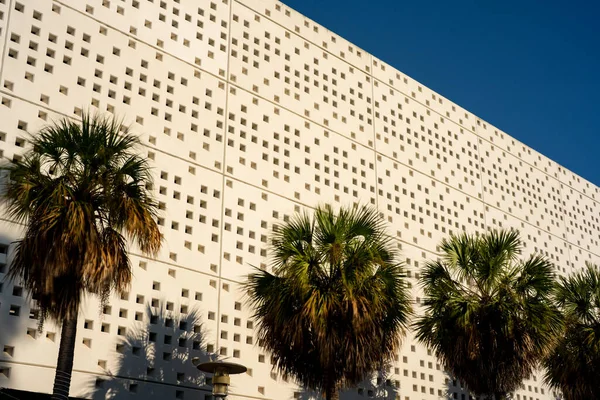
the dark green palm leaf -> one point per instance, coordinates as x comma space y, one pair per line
336, 305
79, 189
573, 366
488, 316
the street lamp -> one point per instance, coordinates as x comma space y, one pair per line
221, 372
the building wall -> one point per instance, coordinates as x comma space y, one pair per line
251, 112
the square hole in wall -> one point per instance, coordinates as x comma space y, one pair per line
34, 313
9, 351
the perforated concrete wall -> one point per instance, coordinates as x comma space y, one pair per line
249, 112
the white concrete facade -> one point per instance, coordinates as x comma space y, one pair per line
250, 112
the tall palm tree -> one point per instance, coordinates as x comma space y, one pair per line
488, 315
336, 305
81, 192
573, 366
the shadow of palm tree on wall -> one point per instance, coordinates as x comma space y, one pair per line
18, 319
155, 359
379, 387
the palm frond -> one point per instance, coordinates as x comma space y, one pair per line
336, 305
488, 316
78, 190
573, 365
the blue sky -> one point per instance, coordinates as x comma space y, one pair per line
531, 68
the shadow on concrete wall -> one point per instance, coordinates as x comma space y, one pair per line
379, 387
456, 390
16, 307
155, 359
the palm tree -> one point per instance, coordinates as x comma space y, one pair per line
488, 315
81, 192
573, 366
335, 307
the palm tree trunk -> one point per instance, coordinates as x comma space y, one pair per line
64, 365
332, 394
330, 385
